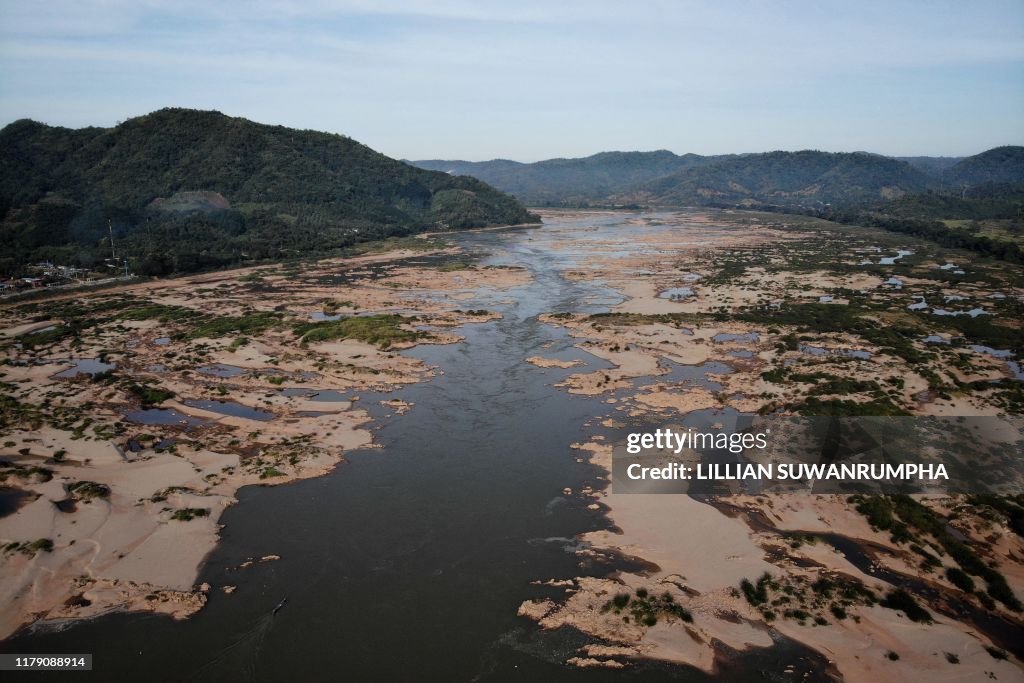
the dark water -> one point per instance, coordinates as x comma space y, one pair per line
231, 408
12, 498
85, 366
162, 416
408, 563
222, 370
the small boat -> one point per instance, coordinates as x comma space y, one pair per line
279, 606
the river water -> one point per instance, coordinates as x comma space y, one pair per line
409, 562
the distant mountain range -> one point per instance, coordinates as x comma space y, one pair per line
186, 190
572, 181
796, 179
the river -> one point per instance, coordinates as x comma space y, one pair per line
409, 562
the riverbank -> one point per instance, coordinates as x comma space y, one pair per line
133, 417
706, 330
491, 496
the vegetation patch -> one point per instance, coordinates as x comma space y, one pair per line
903, 601
46, 337
88, 490
847, 407
158, 312
645, 608
902, 515
381, 330
30, 547
270, 472
39, 475
251, 324
148, 394
797, 598
188, 514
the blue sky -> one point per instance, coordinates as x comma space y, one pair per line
531, 80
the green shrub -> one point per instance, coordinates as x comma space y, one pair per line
960, 579
899, 599
756, 595
43, 544
996, 652
188, 514
149, 395
87, 490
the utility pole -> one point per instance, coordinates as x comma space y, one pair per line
113, 253
110, 229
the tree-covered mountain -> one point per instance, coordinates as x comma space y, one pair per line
188, 189
931, 165
997, 165
795, 179
787, 178
986, 201
572, 182
975, 202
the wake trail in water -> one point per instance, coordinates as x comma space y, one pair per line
239, 660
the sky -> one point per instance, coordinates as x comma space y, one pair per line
531, 80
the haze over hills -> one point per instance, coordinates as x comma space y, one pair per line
797, 179
187, 189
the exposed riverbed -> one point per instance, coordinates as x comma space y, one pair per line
410, 562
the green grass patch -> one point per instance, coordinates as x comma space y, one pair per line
251, 324
149, 395
188, 514
381, 330
269, 472
46, 337
158, 312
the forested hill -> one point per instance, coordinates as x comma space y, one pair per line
664, 178
788, 178
572, 182
803, 180
189, 189
997, 165
931, 165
